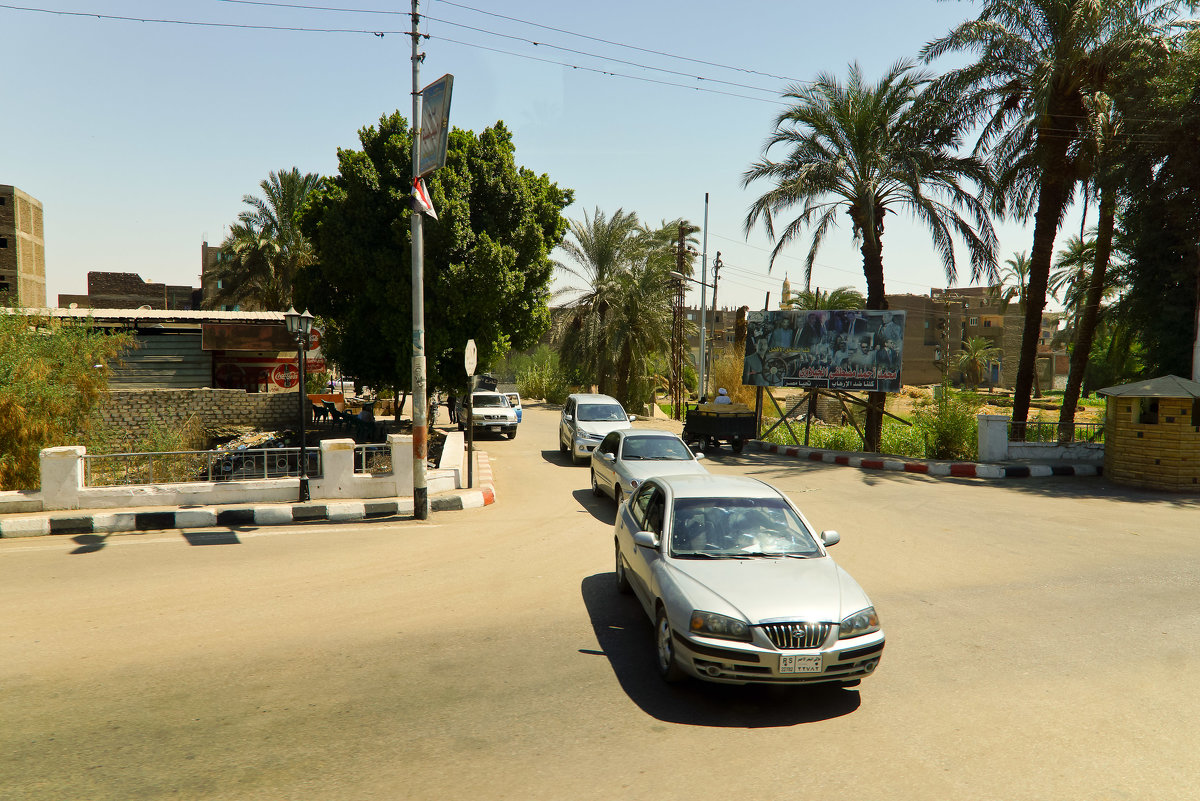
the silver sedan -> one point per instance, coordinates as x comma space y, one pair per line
626, 458
739, 588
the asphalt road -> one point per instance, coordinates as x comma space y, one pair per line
1042, 644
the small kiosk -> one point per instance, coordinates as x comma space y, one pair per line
1152, 434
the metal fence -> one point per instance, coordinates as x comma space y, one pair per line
373, 459
1048, 431
169, 467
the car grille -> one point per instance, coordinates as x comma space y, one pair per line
793, 636
492, 416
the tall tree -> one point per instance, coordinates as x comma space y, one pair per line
266, 249
1037, 62
1160, 213
621, 319
487, 264
599, 248
870, 150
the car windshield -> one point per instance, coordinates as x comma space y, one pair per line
667, 448
489, 400
601, 412
738, 528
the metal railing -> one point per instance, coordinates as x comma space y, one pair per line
1049, 431
170, 467
375, 459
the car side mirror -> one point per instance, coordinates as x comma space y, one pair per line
699, 455
567, 416
646, 539
633, 418
830, 538
608, 457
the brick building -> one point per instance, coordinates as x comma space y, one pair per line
129, 291
22, 250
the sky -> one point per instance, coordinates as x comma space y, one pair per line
141, 136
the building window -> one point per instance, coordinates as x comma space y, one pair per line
1148, 410
987, 323
974, 321
3, 241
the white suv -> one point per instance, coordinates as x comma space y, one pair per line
490, 411
586, 419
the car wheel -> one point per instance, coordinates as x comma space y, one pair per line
619, 497
596, 485
512, 434
623, 585
561, 447
577, 459
668, 668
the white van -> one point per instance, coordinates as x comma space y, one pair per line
490, 411
586, 419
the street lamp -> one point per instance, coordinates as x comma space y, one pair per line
300, 326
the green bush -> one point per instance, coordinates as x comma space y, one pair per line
949, 425
944, 428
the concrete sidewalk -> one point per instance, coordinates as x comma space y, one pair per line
115, 521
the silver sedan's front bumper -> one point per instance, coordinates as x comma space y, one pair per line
584, 447
729, 662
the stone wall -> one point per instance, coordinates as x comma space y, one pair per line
135, 411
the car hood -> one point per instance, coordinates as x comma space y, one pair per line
762, 589
601, 428
642, 470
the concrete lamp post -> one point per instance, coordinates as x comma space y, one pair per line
300, 326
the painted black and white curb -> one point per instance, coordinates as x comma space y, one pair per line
933, 468
266, 514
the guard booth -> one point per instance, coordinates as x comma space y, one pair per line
1152, 434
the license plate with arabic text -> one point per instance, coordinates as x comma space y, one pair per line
800, 664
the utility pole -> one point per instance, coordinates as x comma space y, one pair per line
678, 340
703, 303
716, 268
420, 431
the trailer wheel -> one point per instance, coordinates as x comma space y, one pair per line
737, 443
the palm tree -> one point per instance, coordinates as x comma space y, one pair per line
974, 359
1099, 149
1038, 61
844, 297
600, 247
1012, 280
265, 249
640, 323
870, 150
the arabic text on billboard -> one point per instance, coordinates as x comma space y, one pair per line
843, 349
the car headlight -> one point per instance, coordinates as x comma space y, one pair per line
711, 624
858, 624
585, 435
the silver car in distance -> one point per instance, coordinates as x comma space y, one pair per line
626, 458
739, 588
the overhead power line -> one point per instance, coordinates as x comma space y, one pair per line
564, 31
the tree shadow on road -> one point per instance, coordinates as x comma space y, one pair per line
625, 636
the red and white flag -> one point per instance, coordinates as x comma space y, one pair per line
422, 196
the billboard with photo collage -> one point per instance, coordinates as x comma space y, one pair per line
845, 349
